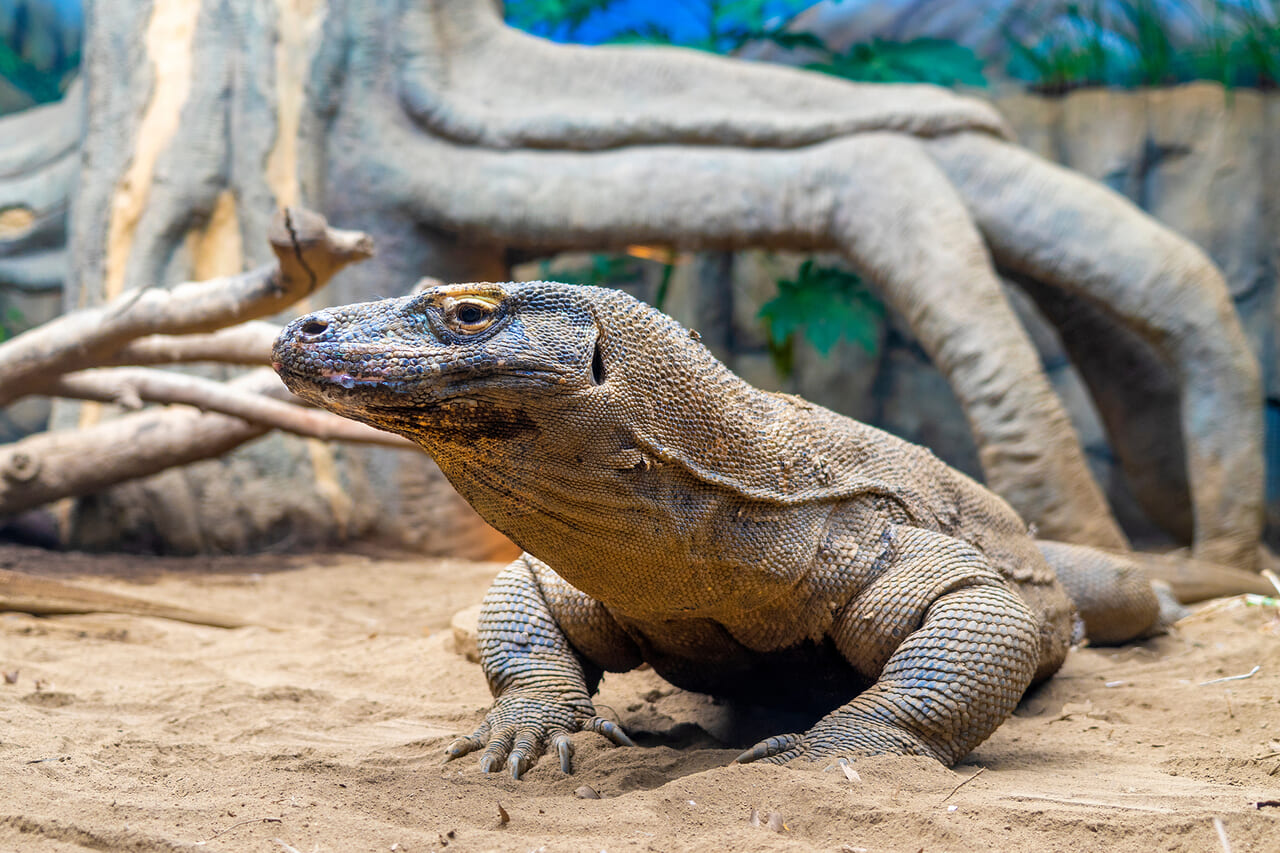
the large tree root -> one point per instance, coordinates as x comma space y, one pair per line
1056, 227
709, 153
913, 236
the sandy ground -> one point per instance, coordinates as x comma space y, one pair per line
323, 730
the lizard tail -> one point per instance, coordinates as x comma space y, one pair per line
1127, 596
1111, 592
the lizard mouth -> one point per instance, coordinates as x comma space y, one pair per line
439, 385
343, 379
327, 387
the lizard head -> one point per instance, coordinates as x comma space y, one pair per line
464, 359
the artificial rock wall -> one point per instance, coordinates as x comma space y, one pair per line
1200, 159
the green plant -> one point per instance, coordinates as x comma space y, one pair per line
11, 323
943, 63
40, 85
1252, 56
824, 305
35, 56
552, 18
603, 269
1130, 43
1075, 51
1156, 65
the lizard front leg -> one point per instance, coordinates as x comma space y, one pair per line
952, 646
543, 646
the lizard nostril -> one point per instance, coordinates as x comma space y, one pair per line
314, 328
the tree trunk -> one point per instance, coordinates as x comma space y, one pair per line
193, 140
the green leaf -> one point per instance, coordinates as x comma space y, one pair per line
603, 270
934, 61
12, 323
546, 17
41, 86
1130, 43
824, 305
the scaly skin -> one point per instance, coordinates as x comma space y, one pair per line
745, 544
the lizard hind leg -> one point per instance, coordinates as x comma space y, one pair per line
1113, 595
952, 647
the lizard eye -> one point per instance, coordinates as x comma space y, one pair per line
470, 316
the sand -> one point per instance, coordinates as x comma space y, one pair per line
323, 729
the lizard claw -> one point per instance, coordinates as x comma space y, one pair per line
520, 727
775, 750
464, 745
564, 747
517, 763
495, 752
608, 729
528, 746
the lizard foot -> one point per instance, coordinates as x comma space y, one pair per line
519, 727
778, 749
836, 736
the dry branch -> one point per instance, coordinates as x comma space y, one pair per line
48, 597
247, 343
181, 324
308, 253
68, 463
131, 386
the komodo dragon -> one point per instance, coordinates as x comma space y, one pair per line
746, 544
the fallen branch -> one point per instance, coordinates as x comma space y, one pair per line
966, 781
247, 343
24, 593
1250, 674
50, 466
308, 253
131, 386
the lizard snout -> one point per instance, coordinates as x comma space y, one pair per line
293, 348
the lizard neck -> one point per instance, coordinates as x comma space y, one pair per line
644, 537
